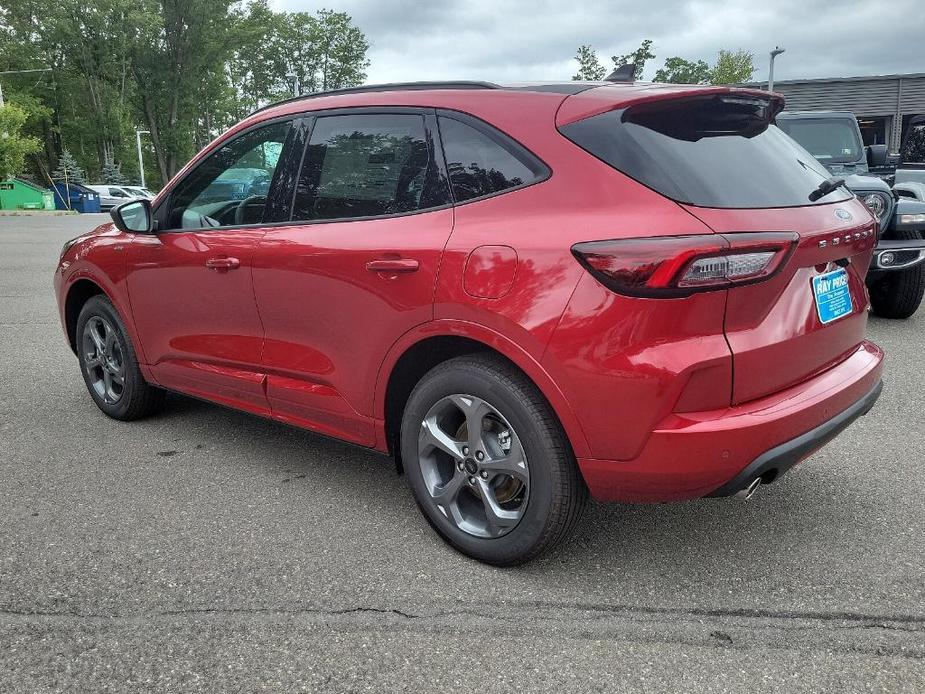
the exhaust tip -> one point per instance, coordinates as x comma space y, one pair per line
749, 491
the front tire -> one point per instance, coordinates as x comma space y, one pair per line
898, 294
488, 462
109, 365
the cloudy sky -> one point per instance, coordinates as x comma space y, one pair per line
530, 40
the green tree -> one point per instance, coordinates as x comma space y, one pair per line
68, 169
39, 126
257, 65
341, 49
325, 51
733, 67
177, 63
184, 70
14, 147
637, 57
112, 174
87, 44
589, 68
680, 71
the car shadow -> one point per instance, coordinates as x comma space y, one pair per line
682, 544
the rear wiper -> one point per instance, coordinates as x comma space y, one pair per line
826, 187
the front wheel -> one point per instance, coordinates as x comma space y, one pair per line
109, 365
899, 293
488, 462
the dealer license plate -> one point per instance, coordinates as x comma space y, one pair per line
833, 297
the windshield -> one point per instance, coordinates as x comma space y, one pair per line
831, 140
914, 146
716, 151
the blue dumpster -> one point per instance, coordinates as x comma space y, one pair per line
73, 196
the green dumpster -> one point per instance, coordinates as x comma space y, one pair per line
17, 194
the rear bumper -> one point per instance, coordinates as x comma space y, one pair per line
696, 454
778, 460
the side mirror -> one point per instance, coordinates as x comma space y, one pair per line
134, 216
877, 156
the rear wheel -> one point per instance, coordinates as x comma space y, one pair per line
488, 462
109, 365
898, 294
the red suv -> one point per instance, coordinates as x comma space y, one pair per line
520, 292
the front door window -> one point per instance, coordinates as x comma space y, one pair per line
231, 186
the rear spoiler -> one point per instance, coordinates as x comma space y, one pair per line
593, 102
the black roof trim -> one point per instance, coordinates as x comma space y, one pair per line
389, 87
555, 87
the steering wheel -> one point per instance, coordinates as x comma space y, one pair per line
252, 201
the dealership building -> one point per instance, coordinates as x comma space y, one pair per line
883, 104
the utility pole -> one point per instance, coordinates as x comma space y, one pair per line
296, 86
776, 52
141, 162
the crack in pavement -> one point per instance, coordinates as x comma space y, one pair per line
489, 607
878, 635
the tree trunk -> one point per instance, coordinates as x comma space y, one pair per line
155, 138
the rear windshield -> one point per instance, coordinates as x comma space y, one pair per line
831, 141
713, 151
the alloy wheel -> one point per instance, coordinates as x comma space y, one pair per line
474, 466
103, 359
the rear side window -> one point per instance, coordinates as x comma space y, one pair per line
482, 163
367, 166
716, 151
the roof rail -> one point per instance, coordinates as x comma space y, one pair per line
388, 87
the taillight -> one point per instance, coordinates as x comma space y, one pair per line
677, 266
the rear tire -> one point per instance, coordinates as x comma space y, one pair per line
109, 365
898, 294
519, 492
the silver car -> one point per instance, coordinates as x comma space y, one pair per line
110, 195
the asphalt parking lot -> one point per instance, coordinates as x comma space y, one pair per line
207, 550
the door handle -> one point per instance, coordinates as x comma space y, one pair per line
393, 265
221, 264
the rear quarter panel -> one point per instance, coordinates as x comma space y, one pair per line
602, 351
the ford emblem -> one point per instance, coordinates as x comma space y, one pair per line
843, 214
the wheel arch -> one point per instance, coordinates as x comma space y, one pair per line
428, 345
78, 294
80, 288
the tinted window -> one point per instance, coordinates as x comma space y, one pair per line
831, 141
713, 151
365, 166
231, 186
479, 164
